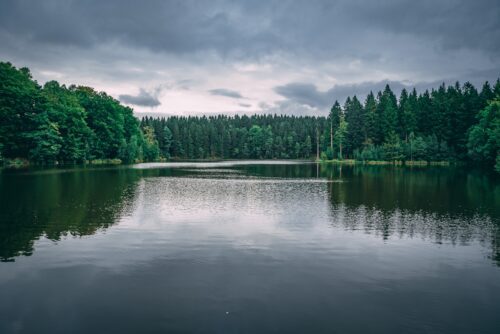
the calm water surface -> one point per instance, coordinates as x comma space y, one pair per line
249, 247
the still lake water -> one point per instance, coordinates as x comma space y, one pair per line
249, 247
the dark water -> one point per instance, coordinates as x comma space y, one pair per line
249, 248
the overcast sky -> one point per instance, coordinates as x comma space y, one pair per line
295, 57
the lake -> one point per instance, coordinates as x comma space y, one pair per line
249, 247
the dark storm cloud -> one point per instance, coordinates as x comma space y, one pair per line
250, 28
309, 95
169, 26
226, 92
455, 24
304, 93
143, 99
141, 41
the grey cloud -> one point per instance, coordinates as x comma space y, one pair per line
226, 92
361, 90
308, 94
254, 28
341, 92
455, 24
168, 26
143, 99
304, 93
108, 40
289, 107
430, 39
185, 83
244, 105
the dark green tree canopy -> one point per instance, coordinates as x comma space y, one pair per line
67, 125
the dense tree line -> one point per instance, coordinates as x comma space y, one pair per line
235, 137
75, 124
62, 124
454, 123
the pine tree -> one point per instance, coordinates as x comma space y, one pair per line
340, 135
409, 115
370, 118
401, 128
486, 95
334, 119
355, 120
387, 111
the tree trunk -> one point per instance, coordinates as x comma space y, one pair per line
331, 135
317, 144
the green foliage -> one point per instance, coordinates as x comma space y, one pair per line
151, 151
354, 117
307, 147
484, 137
238, 137
166, 142
340, 136
436, 150
64, 110
435, 126
388, 117
329, 153
416, 148
46, 140
334, 120
408, 116
370, 152
393, 150
68, 125
20, 104
371, 118
422, 129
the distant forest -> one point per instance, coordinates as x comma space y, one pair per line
76, 124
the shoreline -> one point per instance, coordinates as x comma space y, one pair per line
22, 163
421, 163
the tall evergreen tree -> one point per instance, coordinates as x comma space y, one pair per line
371, 119
409, 115
334, 119
387, 110
340, 135
403, 99
355, 120
486, 95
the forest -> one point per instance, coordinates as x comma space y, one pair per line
76, 124
58, 124
454, 124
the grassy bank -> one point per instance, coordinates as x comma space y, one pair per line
105, 162
386, 162
20, 163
